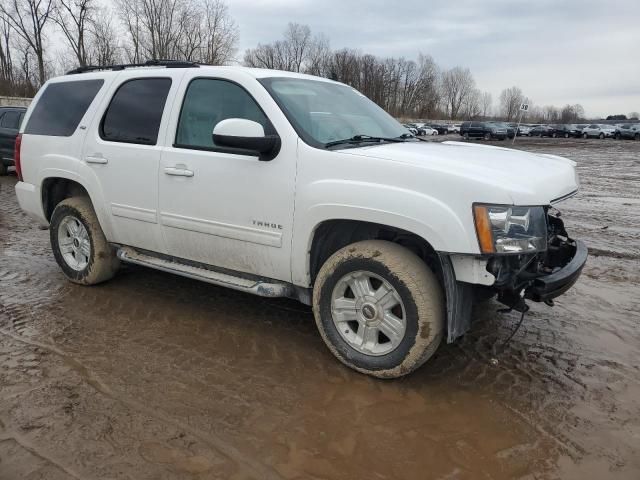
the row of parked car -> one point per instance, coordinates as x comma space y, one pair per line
420, 129
503, 130
593, 130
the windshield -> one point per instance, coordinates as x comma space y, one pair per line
324, 112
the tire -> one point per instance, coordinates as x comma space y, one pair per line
636, 137
584, 135
601, 136
405, 277
3, 169
554, 135
101, 263
466, 135
566, 135
487, 136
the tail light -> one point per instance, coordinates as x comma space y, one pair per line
16, 156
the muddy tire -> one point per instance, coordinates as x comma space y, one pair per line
79, 244
387, 325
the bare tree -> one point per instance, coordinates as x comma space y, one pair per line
29, 19
104, 45
486, 104
220, 37
6, 61
457, 85
74, 18
510, 100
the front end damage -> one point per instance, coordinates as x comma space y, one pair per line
539, 277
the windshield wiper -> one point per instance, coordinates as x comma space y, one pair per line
368, 138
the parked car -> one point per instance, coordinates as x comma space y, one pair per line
541, 131
524, 130
629, 131
284, 185
441, 128
412, 129
598, 131
484, 130
10, 120
454, 128
511, 131
565, 130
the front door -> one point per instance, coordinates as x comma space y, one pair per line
220, 206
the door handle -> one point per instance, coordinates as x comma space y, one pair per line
178, 172
96, 159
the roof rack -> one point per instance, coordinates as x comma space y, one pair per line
148, 63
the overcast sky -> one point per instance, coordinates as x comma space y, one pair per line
557, 51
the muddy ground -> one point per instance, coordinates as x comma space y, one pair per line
152, 376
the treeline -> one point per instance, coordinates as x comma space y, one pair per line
132, 31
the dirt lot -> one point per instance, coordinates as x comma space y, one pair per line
158, 377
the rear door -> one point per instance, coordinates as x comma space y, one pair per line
122, 150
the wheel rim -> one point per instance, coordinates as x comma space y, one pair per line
368, 313
74, 243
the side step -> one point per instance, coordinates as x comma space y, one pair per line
256, 287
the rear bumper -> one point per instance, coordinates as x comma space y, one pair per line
30, 202
557, 283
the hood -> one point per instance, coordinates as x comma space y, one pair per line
527, 178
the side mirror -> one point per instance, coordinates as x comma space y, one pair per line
246, 135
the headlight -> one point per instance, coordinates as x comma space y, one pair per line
510, 229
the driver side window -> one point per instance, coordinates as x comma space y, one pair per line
206, 103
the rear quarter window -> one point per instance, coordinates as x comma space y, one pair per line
61, 107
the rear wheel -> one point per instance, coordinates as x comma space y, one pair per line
554, 134
466, 135
487, 136
584, 135
566, 135
601, 136
79, 244
379, 308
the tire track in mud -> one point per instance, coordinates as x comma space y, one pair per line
255, 469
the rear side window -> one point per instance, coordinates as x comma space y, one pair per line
10, 119
208, 102
135, 111
61, 107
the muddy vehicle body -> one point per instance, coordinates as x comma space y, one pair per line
288, 185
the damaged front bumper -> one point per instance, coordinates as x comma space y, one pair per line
538, 277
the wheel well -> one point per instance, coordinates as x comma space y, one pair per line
332, 235
55, 190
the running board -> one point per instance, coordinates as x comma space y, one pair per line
256, 287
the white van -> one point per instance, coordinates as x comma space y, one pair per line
281, 184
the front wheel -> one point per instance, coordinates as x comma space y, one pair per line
466, 135
601, 136
566, 135
379, 308
487, 136
79, 245
584, 135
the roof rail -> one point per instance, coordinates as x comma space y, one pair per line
148, 63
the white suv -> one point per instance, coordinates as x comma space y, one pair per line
281, 184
